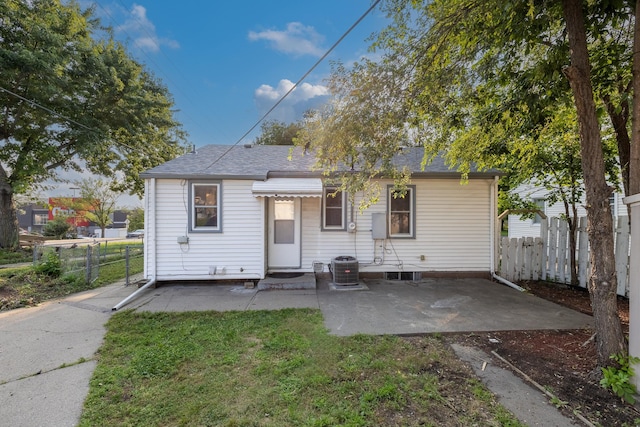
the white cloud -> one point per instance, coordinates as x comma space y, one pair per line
296, 39
303, 98
142, 31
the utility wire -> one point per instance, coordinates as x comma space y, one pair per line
282, 98
55, 113
62, 116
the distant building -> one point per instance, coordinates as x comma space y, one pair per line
530, 227
33, 217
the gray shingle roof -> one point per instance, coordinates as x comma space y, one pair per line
263, 161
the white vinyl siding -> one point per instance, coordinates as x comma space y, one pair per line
527, 227
237, 252
453, 227
453, 231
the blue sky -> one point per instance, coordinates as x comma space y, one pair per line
227, 63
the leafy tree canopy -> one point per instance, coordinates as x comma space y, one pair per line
275, 132
97, 201
480, 82
75, 98
73, 101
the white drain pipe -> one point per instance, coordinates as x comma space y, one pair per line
135, 294
508, 283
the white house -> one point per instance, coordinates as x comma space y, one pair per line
530, 227
242, 212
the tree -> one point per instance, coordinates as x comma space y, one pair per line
136, 219
476, 82
602, 280
274, 132
97, 202
59, 227
73, 102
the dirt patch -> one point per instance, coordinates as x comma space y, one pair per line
7, 298
564, 362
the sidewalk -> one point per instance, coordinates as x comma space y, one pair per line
47, 356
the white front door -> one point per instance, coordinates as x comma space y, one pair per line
284, 233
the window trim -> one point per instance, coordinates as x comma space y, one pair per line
541, 205
323, 221
411, 189
43, 215
191, 205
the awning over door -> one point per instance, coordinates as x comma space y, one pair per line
288, 187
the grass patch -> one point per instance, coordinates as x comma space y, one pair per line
276, 368
15, 256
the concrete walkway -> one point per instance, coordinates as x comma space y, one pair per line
47, 352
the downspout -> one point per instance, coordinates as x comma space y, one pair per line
134, 295
492, 225
151, 252
494, 237
149, 247
508, 283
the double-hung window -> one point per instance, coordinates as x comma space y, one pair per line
402, 215
40, 218
333, 209
204, 201
540, 205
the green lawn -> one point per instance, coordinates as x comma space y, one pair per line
277, 368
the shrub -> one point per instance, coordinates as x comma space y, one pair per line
618, 378
58, 228
50, 265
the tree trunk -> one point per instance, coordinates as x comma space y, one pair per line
602, 278
9, 237
619, 121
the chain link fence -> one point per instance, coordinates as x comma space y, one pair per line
84, 260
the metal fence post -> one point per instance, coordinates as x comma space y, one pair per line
88, 265
126, 265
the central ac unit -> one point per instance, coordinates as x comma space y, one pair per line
345, 270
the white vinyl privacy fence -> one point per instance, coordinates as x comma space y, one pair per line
548, 257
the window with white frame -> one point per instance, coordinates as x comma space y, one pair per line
204, 198
333, 209
540, 205
40, 218
401, 208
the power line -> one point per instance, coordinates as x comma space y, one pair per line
55, 113
355, 24
282, 98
